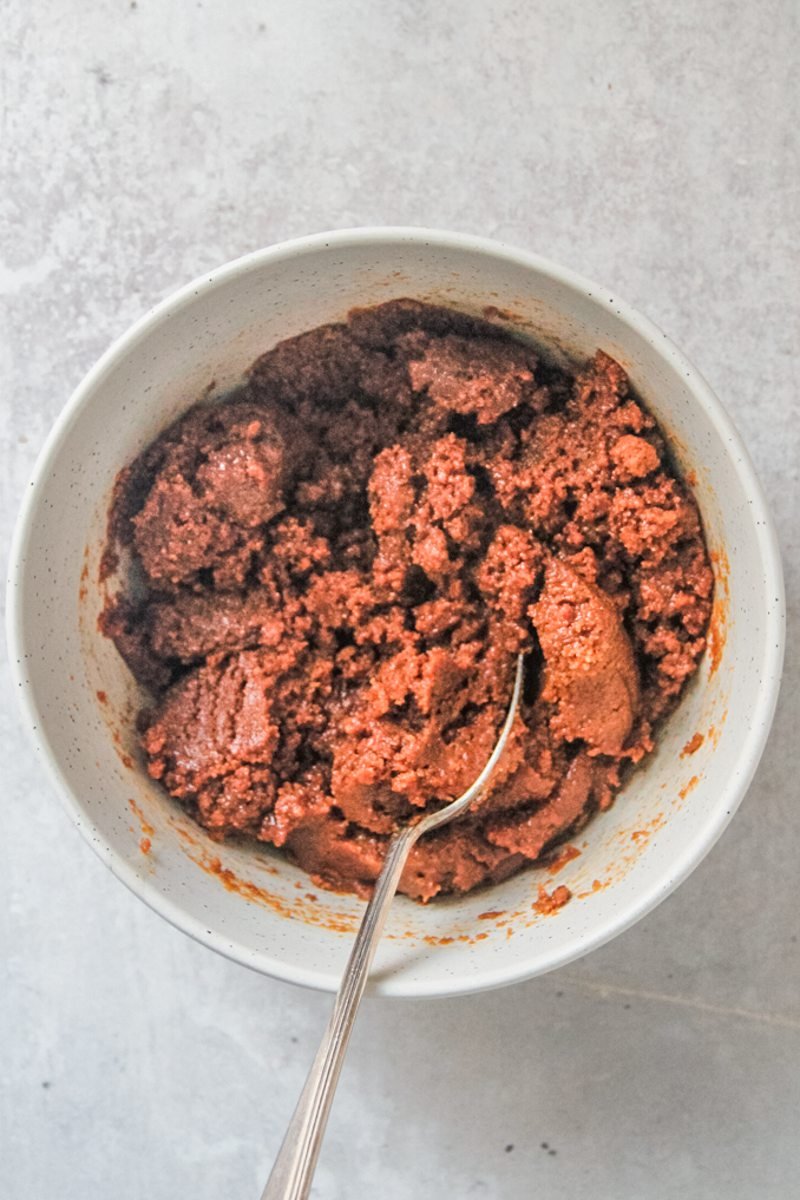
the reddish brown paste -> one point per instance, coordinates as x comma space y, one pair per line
335, 568
550, 902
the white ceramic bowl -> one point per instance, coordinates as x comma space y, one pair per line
250, 904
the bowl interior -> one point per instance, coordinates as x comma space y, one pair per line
251, 904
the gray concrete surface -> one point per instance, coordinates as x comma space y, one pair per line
651, 146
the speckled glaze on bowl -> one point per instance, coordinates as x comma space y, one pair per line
251, 904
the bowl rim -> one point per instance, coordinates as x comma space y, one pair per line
763, 705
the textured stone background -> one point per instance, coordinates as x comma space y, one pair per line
651, 146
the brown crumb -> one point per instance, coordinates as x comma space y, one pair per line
548, 903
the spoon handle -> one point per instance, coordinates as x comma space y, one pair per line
291, 1176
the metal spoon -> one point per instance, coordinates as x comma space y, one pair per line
294, 1167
